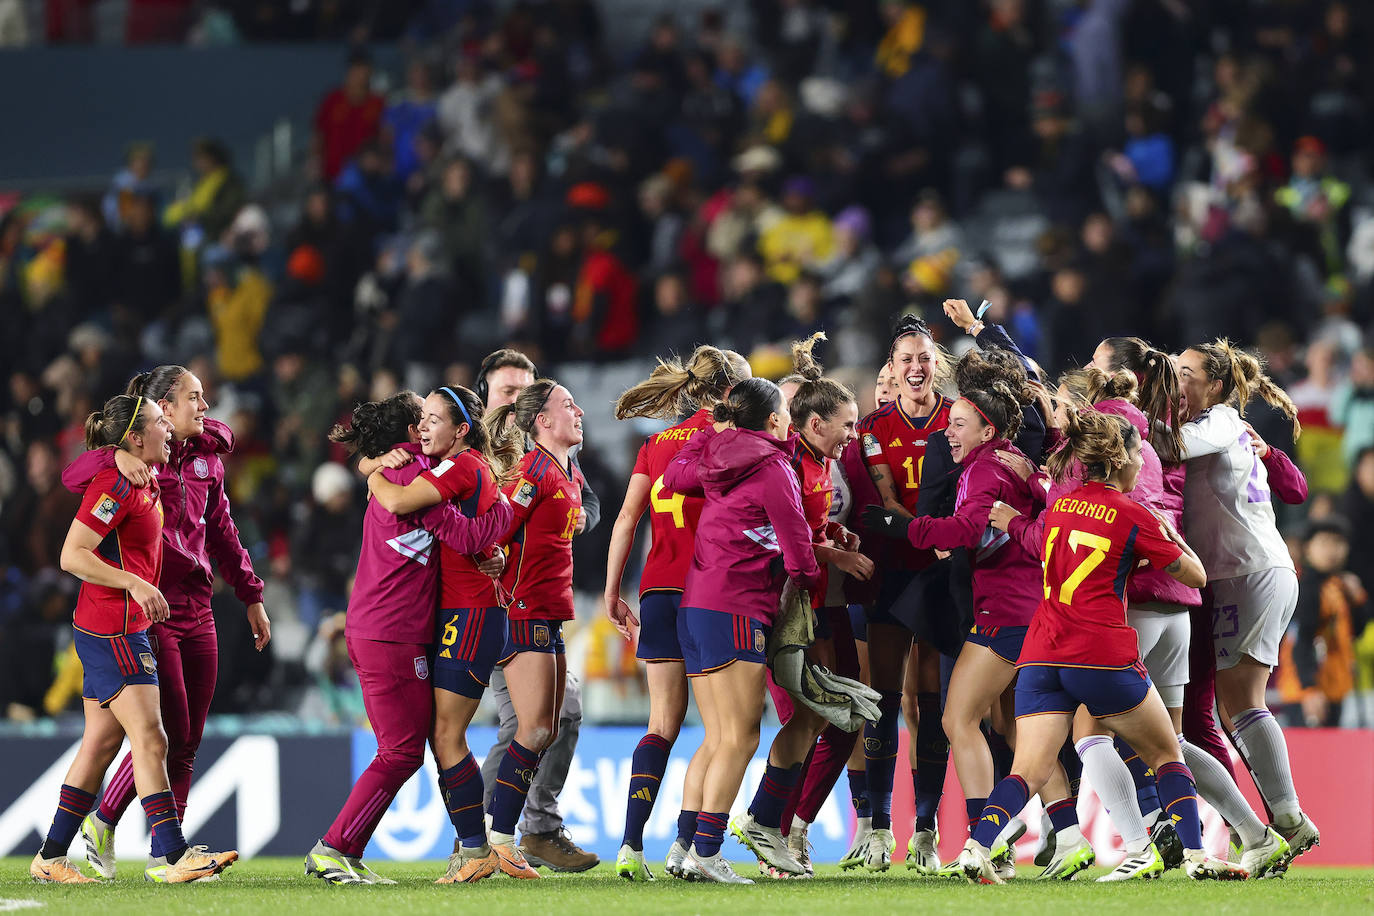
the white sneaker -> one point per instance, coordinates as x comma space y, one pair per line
976, 864
1005, 870
630, 865
1148, 865
1068, 862
1300, 839
99, 837
677, 857
767, 843
1201, 867
714, 869
878, 852
922, 852
1266, 858
855, 857
800, 847
1004, 849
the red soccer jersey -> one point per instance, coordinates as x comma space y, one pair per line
1094, 538
129, 521
817, 490
467, 481
889, 437
547, 499
673, 516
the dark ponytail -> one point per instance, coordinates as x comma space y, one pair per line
157, 384
751, 402
470, 412
1159, 392
999, 406
111, 424
377, 426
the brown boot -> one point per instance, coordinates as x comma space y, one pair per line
557, 851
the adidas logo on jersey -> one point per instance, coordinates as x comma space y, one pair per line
895, 443
558, 494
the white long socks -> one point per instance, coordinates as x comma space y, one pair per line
1111, 780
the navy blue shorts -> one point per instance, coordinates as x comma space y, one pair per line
533, 636
858, 622
1005, 642
470, 642
891, 590
1106, 692
111, 663
824, 621
658, 640
921, 603
711, 640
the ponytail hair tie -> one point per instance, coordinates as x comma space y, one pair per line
691, 376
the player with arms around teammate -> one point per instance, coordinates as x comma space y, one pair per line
674, 387
544, 487
471, 628
1081, 650
751, 537
1254, 589
389, 629
197, 528
114, 546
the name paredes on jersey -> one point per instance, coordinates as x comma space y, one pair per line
1082, 507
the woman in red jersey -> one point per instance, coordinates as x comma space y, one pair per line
893, 441
544, 487
198, 537
1005, 579
470, 631
751, 538
114, 546
1081, 650
701, 382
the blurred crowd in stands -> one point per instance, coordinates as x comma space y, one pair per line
746, 175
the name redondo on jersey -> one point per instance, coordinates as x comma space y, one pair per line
1098, 511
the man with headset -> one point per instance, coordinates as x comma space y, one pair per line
543, 840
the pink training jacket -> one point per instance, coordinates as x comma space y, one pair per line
196, 523
1006, 579
397, 581
752, 533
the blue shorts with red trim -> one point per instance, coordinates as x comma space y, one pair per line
470, 642
111, 663
1106, 692
1005, 642
544, 636
711, 640
658, 613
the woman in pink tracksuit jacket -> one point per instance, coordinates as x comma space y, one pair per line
197, 528
752, 537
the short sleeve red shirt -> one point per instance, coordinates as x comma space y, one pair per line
547, 498
672, 516
889, 437
129, 521
1094, 539
467, 481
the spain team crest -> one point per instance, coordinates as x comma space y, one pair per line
422, 667
149, 663
201, 467
758, 641
540, 634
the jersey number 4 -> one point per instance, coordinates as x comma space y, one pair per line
668, 505
1097, 546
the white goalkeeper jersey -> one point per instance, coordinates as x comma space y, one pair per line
1227, 516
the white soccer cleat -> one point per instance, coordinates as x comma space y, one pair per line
1146, 865
878, 852
976, 864
800, 847
1299, 839
630, 865
1068, 862
714, 869
1004, 849
855, 857
361, 869
766, 843
99, 837
922, 852
1201, 867
677, 858
1267, 858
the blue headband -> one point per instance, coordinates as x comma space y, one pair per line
459, 401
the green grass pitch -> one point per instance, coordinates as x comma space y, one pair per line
277, 886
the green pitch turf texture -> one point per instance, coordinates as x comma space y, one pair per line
277, 886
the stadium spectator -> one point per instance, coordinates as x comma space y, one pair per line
348, 116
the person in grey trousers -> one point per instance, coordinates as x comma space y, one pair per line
543, 839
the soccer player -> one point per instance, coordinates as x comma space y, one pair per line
1254, 588
390, 629
751, 537
1005, 589
114, 546
470, 631
544, 487
893, 440
1079, 648
543, 839
700, 382
197, 528
824, 418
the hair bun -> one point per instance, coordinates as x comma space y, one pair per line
723, 413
